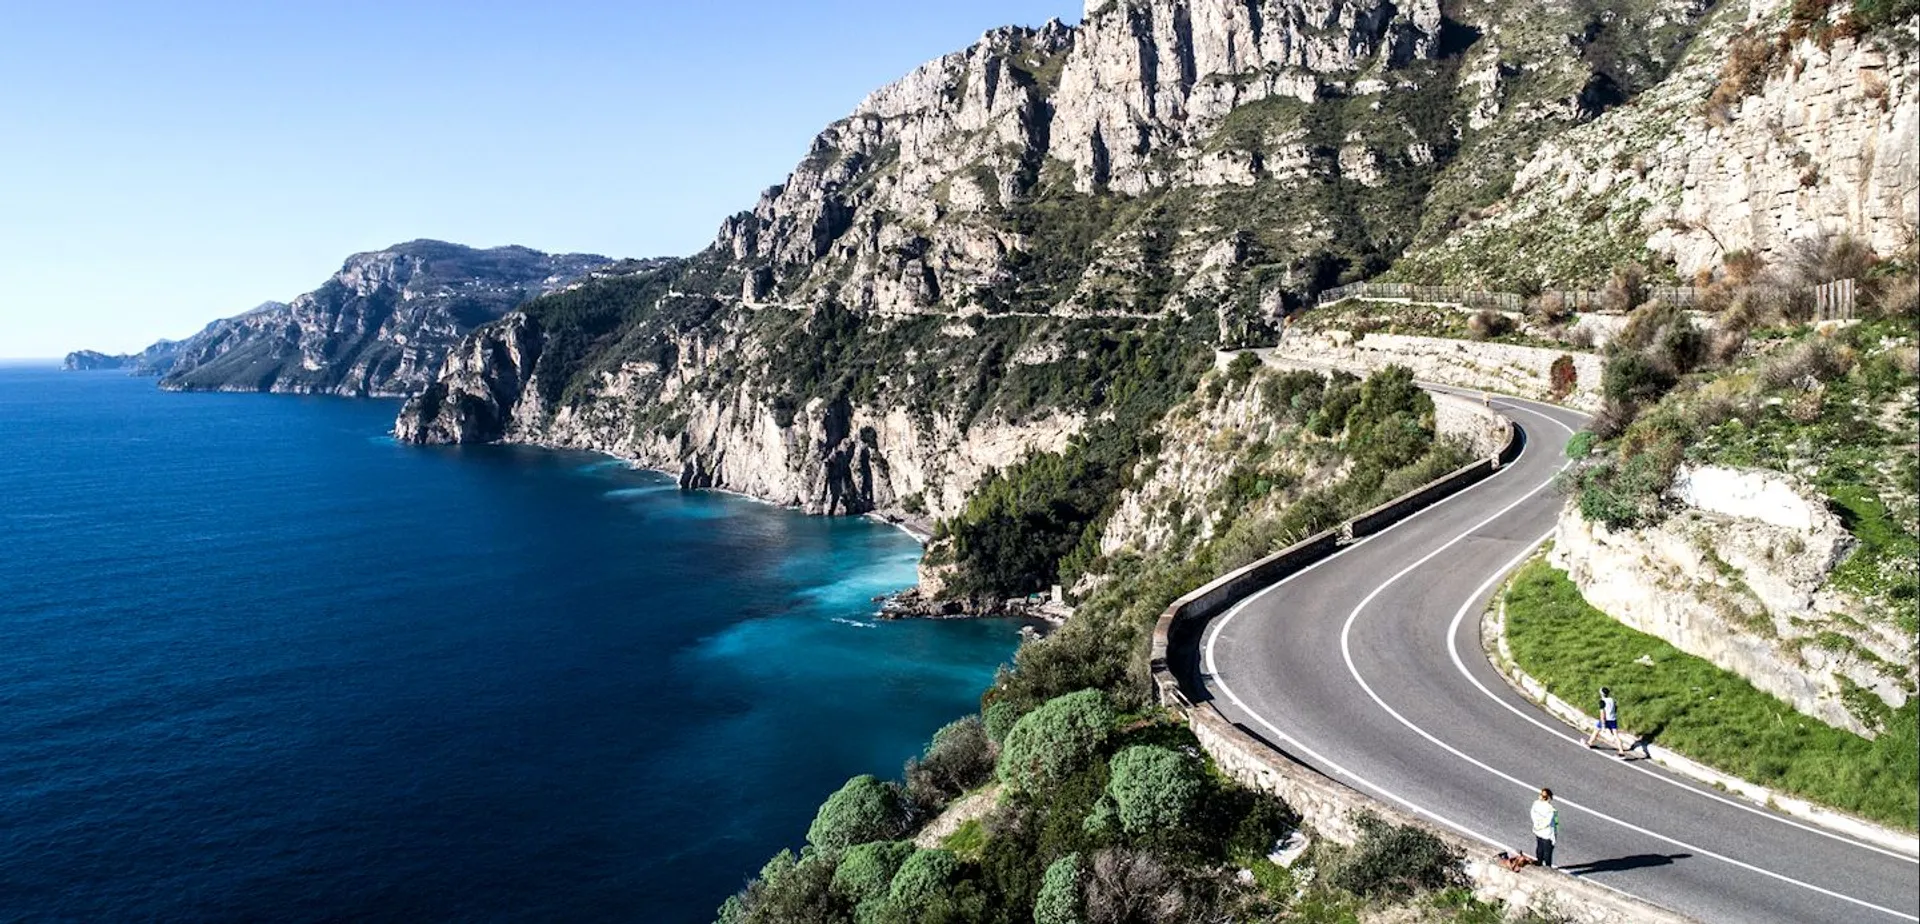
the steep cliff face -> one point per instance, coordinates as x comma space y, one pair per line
1232, 153
1014, 243
380, 326
720, 398
1757, 140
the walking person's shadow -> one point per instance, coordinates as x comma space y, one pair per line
1623, 864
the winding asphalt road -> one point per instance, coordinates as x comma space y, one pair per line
1368, 667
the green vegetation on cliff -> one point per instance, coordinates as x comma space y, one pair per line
1103, 803
1684, 703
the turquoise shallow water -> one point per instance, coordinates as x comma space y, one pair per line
262, 663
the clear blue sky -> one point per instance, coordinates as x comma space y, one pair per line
165, 164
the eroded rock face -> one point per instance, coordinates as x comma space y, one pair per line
1742, 580
380, 326
833, 457
1163, 161
1829, 145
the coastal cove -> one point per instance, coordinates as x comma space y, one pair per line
263, 662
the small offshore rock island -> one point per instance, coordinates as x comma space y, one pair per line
1127, 306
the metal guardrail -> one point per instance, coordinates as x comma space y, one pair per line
1577, 299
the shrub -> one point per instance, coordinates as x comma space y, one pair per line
999, 717
865, 809
1059, 901
1154, 788
1294, 396
1055, 739
1681, 347
1626, 289
1631, 379
1125, 886
1551, 308
1623, 495
1392, 424
789, 890
959, 758
1487, 324
1241, 370
1562, 377
1078, 657
866, 870
1581, 446
1750, 59
1342, 393
1396, 861
923, 875
1805, 364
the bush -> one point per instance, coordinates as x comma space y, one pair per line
1810, 362
999, 718
866, 870
1154, 788
1626, 289
1125, 886
1551, 309
1631, 379
959, 758
1487, 324
1562, 377
1396, 861
1581, 445
1750, 59
1681, 347
1241, 370
1059, 901
1342, 393
789, 890
1623, 495
865, 809
1056, 739
923, 875
1391, 426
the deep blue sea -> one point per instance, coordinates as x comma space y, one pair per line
260, 663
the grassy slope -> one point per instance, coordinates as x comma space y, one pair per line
1686, 704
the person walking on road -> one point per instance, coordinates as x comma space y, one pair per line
1609, 722
1546, 827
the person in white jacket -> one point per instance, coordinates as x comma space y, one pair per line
1546, 827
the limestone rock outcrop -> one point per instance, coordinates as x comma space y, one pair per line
1738, 575
948, 281
1828, 144
380, 326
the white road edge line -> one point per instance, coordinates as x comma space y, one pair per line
1346, 650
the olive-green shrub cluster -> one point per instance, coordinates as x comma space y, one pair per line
1103, 817
1384, 425
1020, 524
1762, 378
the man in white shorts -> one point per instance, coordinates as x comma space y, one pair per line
1609, 722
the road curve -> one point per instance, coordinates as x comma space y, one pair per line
1368, 666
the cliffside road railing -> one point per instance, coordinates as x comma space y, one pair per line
1577, 299
1344, 676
